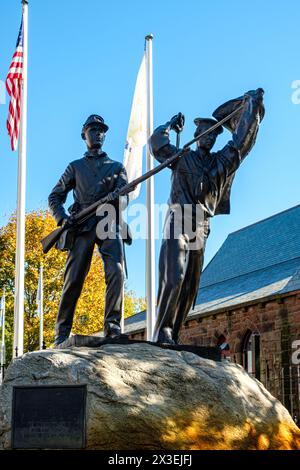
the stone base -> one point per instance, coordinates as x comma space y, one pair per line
140, 397
83, 341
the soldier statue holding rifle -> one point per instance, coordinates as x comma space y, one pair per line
200, 180
90, 178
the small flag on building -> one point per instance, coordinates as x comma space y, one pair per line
137, 130
14, 84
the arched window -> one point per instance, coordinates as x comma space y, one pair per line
251, 353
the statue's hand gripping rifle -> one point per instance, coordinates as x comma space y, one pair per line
50, 240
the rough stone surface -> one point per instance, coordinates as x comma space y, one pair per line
144, 397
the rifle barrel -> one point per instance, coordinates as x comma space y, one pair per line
85, 214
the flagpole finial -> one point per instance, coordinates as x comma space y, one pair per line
149, 37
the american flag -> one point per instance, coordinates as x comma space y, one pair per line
14, 83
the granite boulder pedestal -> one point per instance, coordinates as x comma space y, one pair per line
140, 396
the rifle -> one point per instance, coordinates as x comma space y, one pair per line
50, 240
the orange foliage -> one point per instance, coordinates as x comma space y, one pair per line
90, 309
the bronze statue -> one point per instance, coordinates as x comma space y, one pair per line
200, 179
90, 178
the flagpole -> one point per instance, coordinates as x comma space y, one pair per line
150, 242
122, 325
20, 236
3, 340
41, 306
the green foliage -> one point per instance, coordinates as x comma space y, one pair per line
90, 308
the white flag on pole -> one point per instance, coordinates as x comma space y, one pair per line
137, 130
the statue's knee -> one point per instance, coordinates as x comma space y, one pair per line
174, 282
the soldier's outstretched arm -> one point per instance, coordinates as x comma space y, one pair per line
246, 131
59, 193
226, 161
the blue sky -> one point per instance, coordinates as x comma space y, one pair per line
84, 58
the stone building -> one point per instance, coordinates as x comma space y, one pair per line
249, 305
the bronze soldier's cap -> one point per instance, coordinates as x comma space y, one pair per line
203, 123
94, 119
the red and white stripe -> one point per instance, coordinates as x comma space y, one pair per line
14, 82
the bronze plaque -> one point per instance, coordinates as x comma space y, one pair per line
49, 417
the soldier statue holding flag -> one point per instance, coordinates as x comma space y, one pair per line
201, 183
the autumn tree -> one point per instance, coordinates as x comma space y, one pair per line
90, 308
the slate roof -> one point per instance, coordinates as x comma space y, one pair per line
135, 322
266, 243
256, 262
253, 263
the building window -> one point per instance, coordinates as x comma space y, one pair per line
251, 353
